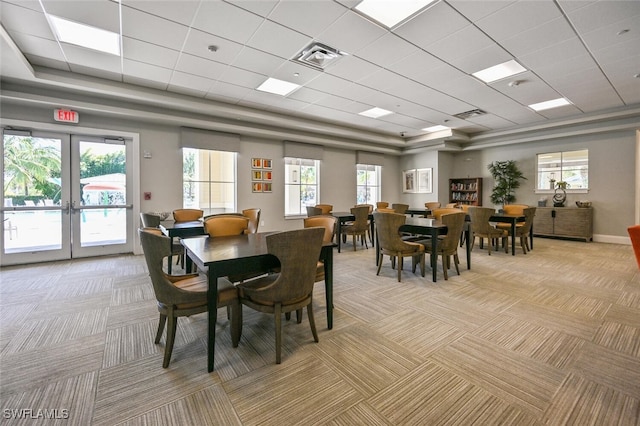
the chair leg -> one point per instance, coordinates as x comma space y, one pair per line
445, 266
400, 262
278, 316
299, 315
171, 337
236, 323
422, 263
456, 261
161, 323
379, 263
312, 321
354, 242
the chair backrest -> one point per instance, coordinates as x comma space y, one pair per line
514, 208
400, 208
385, 210
387, 227
382, 205
361, 223
187, 215
313, 211
437, 213
370, 206
324, 221
451, 205
298, 252
529, 213
156, 247
254, 219
480, 219
226, 225
326, 208
149, 220
465, 207
432, 205
455, 224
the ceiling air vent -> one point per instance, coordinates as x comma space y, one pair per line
469, 114
319, 56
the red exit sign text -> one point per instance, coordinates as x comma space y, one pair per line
66, 115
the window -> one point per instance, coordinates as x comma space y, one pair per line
368, 183
209, 180
302, 185
569, 166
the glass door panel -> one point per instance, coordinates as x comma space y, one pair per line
35, 198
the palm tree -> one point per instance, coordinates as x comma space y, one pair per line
28, 161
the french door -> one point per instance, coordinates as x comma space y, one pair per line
64, 196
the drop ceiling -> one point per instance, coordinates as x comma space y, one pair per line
211, 55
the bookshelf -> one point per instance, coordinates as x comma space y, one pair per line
466, 191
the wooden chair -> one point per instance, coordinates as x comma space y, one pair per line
359, 227
634, 235
292, 288
432, 205
187, 215
511, 209
370, 206
391, 244
523, 229
328, 223
182, 295
448, 245
254, 219
438, 213
152, 220
225, 225
382, 205
400, 208
326, 208
313, 211
480, 227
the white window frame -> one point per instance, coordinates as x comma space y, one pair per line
205, 202
369, 168
559, 171
294, 178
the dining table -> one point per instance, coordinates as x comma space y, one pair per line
344, 217
513, 220
432, 228
173, 229
418, 211
239, 254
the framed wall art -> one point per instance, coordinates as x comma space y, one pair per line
424, 179
261, 175
409, 181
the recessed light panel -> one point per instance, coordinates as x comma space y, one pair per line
541, 106
85, 35
500, 71
390, 13
375, 112
278, 87
435, 128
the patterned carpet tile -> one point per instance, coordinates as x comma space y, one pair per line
512, 377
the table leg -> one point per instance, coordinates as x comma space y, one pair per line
513, 237
467, 237
339, 234
531, 237
372, 228
170, 258
212, 305
434, 254
328, 283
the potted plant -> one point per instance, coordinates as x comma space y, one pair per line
507, 177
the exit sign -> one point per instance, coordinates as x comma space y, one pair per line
66, 115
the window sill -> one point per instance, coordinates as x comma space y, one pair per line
568, 191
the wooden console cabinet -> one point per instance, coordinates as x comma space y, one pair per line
566, 222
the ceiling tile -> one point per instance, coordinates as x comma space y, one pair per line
475, 10
182, 11
38, 46
198, 42
259, 7
257, 61
460, 44
435, 23
25, 20
351, 68
307, 17
149, 53
227, 21
149, 28
350, 33
188, 83
197, 66
147, 72
103, 14
278, 40
517, 17
386, 50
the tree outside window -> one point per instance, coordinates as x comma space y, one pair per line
301, 185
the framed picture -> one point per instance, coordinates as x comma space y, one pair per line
266, 163
257, 186
266, 175
424, 178
256, 163
409, 181
256, 175
266, 187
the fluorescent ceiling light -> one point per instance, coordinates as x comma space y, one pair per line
435, 128
391, 12
85, 35
500, 71
375, 112
554, 103
278, 87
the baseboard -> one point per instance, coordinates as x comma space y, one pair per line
611, 239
